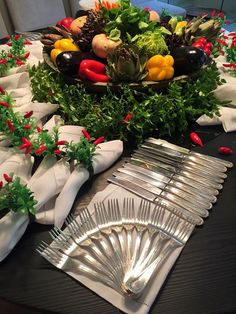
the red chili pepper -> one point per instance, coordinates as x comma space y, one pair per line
8, 37
39, 129
20, 63
221, 15
7, 177
224, 150
220, 41
127, 118
226, 22
230, 65
57, 151
40, 150
9, 55
9, 44
26, 55
27, 127
1, 184
17, 58
2, 90
28, 114
10, 126
86, 134
5, 104
26, 145
3, 61
62, 142
213, 13
93, 70
232, 34
27, 43
196, 139
99, 140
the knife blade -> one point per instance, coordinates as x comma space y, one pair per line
171, 157
154, 170
214, 161
171, 186
181, 212
204, 181
162, 194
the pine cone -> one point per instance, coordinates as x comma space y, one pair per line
93, 26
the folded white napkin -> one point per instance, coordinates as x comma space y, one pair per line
143, 304
53, 209
226, 91
13, 225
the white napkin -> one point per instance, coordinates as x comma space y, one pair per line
54, 210
226, 91
13, 225
142, 305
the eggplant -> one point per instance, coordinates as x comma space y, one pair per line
68, 61
188, 59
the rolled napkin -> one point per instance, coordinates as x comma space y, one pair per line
13, 225
224, 92
53, 210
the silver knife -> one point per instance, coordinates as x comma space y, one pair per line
153, 170
214, 161
179, 211
197, 178
170, 186
164, 152
162, 194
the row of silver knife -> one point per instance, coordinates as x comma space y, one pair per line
186, 182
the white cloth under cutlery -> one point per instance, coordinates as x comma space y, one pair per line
128, 305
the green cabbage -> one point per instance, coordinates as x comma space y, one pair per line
151, 42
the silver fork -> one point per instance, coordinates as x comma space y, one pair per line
85, 233
155, 221
128, 220
67, 246
114, 215
141, 223
163, 236
106, 227
67, 264
134, 287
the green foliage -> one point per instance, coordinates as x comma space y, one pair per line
17, 197
128, 19
15, 56
164, 113
82, 151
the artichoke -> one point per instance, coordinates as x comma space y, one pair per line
126, 64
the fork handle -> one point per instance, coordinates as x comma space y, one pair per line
135, 286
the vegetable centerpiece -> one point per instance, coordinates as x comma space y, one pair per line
118, 42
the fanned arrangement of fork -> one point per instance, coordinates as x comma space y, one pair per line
185, 181
121, 248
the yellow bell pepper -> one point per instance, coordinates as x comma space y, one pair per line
54, 53
160, 68
65, 44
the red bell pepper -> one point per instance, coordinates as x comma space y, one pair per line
93, 70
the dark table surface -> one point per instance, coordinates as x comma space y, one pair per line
202, 281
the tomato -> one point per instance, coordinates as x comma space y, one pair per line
198, 45
207, 51
201, 40
66, 22
209, 46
